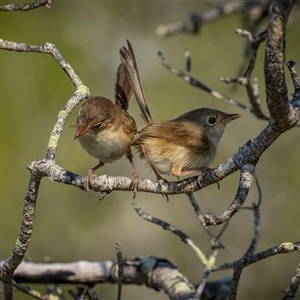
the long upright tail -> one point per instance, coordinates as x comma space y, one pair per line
131, 70
123, 89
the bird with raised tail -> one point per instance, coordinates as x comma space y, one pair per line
105, 129
180, 146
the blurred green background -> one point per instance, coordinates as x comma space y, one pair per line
69, 225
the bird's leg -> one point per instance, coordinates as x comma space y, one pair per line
159, 178
200, 177
135, 175
161, 181
88, 176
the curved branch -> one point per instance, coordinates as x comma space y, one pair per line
246, 178
81, 93
185, 238
215, 238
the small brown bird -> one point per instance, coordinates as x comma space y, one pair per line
105, 129
180, 146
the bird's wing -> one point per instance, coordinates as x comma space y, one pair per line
130, 67
123, 89
178, 133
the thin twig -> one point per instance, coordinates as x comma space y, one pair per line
27, 6
196, 83
197, 19
292, 68
254, 43
120, 270
95, 296
252, 89
74, 295
206, 273
199, 215
174, 230
27, 290
256, 233
257, 219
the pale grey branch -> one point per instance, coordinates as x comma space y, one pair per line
8, 267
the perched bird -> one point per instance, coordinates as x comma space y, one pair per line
105, 129
180, 146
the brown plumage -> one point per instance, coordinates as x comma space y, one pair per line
105, 129
180, 146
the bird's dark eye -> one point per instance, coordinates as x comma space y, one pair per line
212, 120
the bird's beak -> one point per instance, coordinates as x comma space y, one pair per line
80, 131
231, 117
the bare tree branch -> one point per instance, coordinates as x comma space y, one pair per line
206, 273
196, 20
246, 178
292, 67
9, 266
81, 293
155, 273
199, 215
257, 220
256, 233
27, 290
149, 271
26, 7
247, 154
252, 89
276, 89
198, 84
81, 93
159, 273
290, 292
120, 270
238, 266
174, 230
